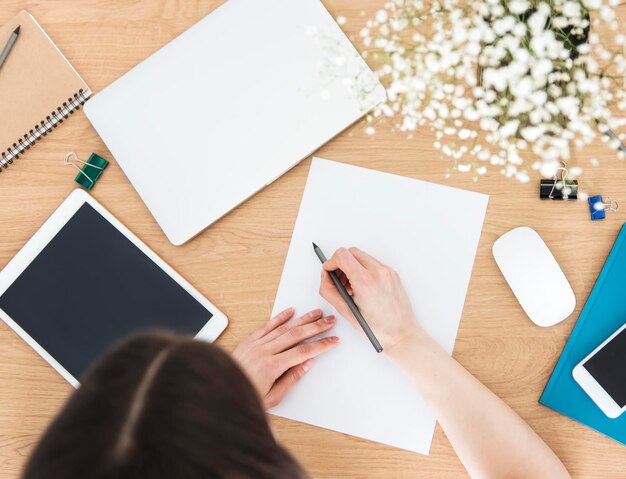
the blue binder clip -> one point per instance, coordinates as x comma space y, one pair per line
599, 205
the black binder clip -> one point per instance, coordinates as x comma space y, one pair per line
599, 205
90, 172
559, 188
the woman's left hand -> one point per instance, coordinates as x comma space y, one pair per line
275, 357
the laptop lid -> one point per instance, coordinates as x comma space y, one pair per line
229, 106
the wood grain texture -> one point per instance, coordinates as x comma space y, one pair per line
237, 262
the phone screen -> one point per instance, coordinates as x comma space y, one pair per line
608, 367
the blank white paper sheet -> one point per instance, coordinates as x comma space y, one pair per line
428, 233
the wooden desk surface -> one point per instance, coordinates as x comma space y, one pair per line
237, 262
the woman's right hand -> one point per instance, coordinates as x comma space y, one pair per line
497, 444
377, 291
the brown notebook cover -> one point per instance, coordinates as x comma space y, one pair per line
38, 88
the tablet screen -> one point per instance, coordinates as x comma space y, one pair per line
91, 287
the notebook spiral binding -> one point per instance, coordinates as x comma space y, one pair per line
54, 119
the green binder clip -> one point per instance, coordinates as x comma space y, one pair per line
91, 171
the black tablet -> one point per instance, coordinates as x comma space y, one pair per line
84, 282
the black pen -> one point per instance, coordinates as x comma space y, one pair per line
350, 302
9, 45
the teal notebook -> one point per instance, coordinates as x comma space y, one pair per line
603, 314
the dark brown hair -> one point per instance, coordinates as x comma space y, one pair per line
162, 406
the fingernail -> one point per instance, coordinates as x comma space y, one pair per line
316, 313
286, 311
330, 320
307, 365
334, 339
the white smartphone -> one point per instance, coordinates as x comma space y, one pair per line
602, 374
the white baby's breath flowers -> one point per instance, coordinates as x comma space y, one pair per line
510, 84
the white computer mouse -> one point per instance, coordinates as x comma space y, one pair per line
534, 276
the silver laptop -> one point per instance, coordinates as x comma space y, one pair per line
229, 106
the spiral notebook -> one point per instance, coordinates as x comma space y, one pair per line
39, 88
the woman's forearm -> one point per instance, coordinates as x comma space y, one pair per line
490, 439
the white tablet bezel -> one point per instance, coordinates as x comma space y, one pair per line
209, 332
593, 388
